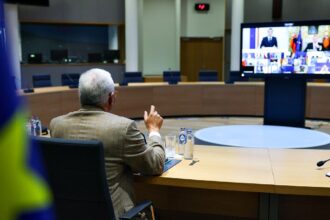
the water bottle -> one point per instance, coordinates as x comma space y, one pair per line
182, 140
38, 128
32, 126
189, 147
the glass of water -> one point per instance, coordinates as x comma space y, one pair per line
170, 144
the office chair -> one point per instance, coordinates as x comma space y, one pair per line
208, 75
70, 79
132, 77
76, 174
41, 81
172, 77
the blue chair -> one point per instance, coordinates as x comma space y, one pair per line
41, 81
132, 77
172, 77
208, 75
78, 182
70, 79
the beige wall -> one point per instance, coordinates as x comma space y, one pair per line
159, 36
163, 22
197, 24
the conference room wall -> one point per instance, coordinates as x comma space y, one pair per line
261, 10
164, 22
203, 24
82, 11
305, 9
159, 36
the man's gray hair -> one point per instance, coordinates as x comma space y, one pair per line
95, 85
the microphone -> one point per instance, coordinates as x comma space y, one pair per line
322, 162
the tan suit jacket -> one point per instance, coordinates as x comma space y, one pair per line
125, 149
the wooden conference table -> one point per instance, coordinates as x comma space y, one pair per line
226, 183
241, 183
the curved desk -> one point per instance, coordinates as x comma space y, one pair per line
186, 99
261, 136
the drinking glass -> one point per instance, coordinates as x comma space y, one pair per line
170, 142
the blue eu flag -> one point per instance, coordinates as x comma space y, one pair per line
299, 42
24, 194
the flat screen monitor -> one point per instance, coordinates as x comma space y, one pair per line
112, 56
299, 49
35, 58
29, 2
59, 55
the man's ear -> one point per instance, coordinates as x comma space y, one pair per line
110, 99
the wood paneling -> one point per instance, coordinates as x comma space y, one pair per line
303, 207
178, 100
133, 101
186, 99
244, 96
121, 43
201, 53
201, 202
277, 9
318, 102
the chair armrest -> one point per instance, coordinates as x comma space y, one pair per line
135, 210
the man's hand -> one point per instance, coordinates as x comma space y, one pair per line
153, 120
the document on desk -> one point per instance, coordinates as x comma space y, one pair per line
169, 163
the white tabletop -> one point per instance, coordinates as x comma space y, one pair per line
261, 136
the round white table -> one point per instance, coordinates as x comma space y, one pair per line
261, 136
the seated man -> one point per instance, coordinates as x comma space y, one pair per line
125, 148
315, 45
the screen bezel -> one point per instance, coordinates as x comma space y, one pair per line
44, 3
281, 24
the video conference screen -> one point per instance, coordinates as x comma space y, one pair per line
286, 48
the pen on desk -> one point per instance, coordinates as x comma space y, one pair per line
193, 162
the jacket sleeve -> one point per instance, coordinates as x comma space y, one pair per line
140, 156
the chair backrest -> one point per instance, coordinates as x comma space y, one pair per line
132, 77
76, 174
70, 79
172, 77
41, 81
208, 75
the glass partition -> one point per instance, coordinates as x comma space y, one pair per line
70, 43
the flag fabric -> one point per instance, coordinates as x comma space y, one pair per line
326, 42
293, 44
299, 42
24, 194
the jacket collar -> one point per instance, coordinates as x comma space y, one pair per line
90, 108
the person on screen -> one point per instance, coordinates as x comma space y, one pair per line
125, 148
315, 45
269, 41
